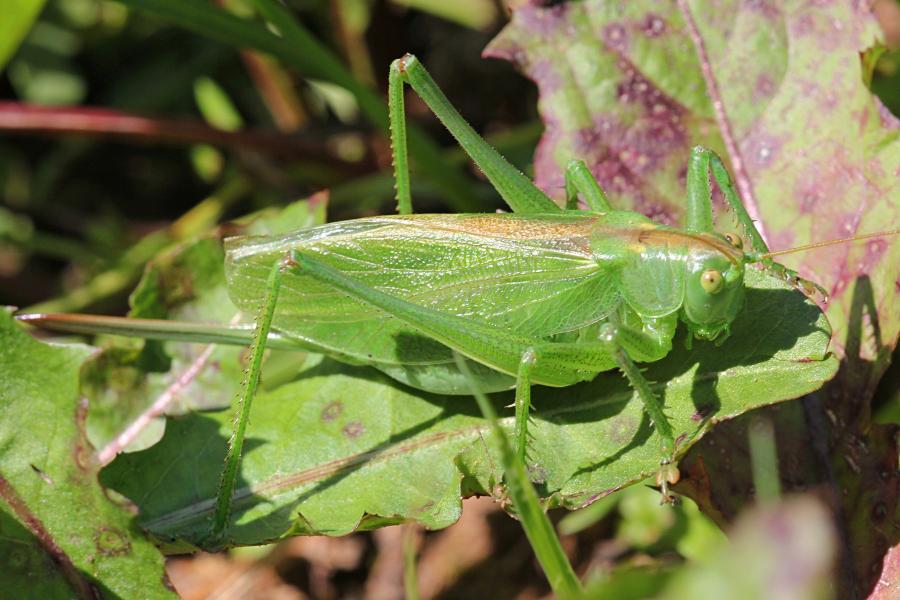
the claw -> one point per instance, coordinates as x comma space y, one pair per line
668, 475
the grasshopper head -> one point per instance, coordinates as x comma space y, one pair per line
714, 291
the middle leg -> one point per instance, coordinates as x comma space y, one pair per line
579, 179
699, 196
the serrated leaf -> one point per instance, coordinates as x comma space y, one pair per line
344, 448
60, 534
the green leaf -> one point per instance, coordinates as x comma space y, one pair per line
18, 16
60, 534
344, 448
217, 108
620, 90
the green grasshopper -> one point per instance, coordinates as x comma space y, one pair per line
542, 295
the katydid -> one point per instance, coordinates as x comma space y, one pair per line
542, 295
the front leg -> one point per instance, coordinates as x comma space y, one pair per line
699, 217
699, 197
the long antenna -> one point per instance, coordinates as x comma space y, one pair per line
829, 243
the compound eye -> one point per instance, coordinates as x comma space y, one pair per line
712, 281
735, 240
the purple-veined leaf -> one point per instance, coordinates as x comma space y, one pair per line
778, 89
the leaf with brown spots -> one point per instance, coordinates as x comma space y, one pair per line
60, 534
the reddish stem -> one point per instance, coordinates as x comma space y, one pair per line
81, 586
17, 117
158, 408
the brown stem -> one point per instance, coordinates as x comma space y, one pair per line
82, 587
16, 117
275, 89
741, 177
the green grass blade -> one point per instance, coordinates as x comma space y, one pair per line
410, 549
764, 460
297, 48
15, 24
534, 520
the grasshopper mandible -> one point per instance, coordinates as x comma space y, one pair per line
542, 295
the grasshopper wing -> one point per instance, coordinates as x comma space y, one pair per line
532, 274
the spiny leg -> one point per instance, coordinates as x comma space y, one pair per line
399, 153
517, 190
699, 188
579, 179
809, 288
720, 173
615, 339
251, 381
523, 402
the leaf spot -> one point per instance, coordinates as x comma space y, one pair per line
353, 429
615, 36
332, 411
654, 25
764, 87
109, 541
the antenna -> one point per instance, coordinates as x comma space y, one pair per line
810, 289
829, 243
